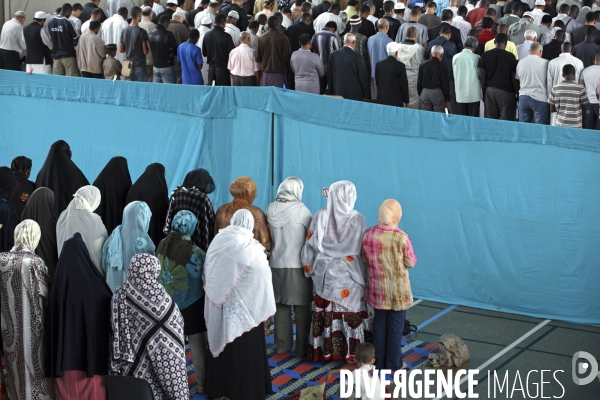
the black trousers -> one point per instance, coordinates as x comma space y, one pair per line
218, 75
468, 109
10, 60
500, 104
85, 74
243, 80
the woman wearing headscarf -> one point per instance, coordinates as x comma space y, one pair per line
289, 220
151, 188
127, 240
181, 264
79, 217
8, 215
40, 208
24, 298
114, 183
389, 254
147, 335
192, 196
60, 174
243, 190
21, 167
78, 325
332, 258
239, 297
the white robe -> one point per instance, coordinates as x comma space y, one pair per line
112, 29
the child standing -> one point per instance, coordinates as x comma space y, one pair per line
110, 65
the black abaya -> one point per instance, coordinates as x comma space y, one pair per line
200, 179
151, 188
241, 371
9, 218
60, 175
40, 208
79, 309
114, 183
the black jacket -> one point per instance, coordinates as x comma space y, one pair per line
294, 32
552, 50
242, 22
455, 38
37, 51
216, 46
366, 28
347, 75
320, 9
392, 83
163, 47
394, 26
86, 13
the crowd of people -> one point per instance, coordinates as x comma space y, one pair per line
532, 57
116, 277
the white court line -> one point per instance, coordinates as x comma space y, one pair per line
416, 302
503, 352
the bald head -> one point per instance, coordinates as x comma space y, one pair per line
349, 39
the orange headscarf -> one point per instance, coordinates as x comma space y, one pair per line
390, 213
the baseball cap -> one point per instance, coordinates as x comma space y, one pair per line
234, 14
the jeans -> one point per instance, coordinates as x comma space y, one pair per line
138, 74
164, 75
590, 118
387, 338
535, 111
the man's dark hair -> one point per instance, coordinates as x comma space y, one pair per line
164, 19
447, 15
331, 24
305, 7
568, 69
462, 11
501, 38
58, 10
298, 3
446, 29
560, 35
365, 9
146, 12
365, 353
563, 9
559, 23
95, 24
491, 12
573, 9
334, 8
432, 4
305, 18
597, 15
279, 17
97, 11
546, 19
273, 22
589, 17
123, 11
590, 31
220, 19
474, 33
416, 11
587, 3
135, 12
487, 23
304, 39
388, 6
66, 8
194, 34
253, 24
262, 19
352, 2
411, 32
180, 3
77, 7
286, 10
519, 7
566, 47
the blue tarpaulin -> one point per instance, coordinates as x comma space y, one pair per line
502, 215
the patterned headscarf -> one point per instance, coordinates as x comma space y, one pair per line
390, 213
185, 222
21, 164
28, 233
197, 202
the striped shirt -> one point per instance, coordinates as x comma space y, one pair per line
568, 97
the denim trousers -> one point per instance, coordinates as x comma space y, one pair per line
387, 338
138, 74
535, 111
590, 118
164, 75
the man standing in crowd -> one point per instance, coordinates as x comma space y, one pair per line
399, 9
190, 57
295, 31
578, 35
74, 18
430, 18
360, 45
163, 47
12, 42
588, 78
113, 6
113, 28
510, 46
568, 100
91, 52
203, 5
252, 31
331, 15
216, 46
449, 52
533, 95
432, 82
324, 43
377, 50
210, 12
390, 76
571, 19
347, 72
555, 67
585, 10
422, 36
147, 25
38, 43
465, 67
554, 48
498, 83
587, 50
88, 8
538, 11
367, 28
523, 49
169, 10
242, 20
64, 39
95, 16
516, 32
242, 64
273, 54
477, 14
459, 22
394, 24
231, 28
134, 43
307, 67
455, 38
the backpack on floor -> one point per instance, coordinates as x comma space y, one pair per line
408, 328
453, 352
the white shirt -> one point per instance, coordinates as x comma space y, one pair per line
234, 32
157, 8
589, 76
555, 69
242, 61
324, 18
114, 5
538, 15
464, 27
200, 15
85, 27
11, 37
523, 49
373, 19
559, 16
287, 22
76, 24
112, 29
203, 71
454, 11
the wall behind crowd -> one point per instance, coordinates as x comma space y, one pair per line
502, 215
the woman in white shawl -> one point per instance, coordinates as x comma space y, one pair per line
289, 220
79, 217
239, 297
411, 54
332, 258
24, 294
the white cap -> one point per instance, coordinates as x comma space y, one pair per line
391, 47
172, 2
234, 14
540, 3
206, 20
40, 15
528, 14
399, 6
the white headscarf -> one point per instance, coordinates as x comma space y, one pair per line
237, 282
289, 200
339, 227
79, 217
28, 233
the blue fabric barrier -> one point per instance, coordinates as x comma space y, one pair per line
502, 215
